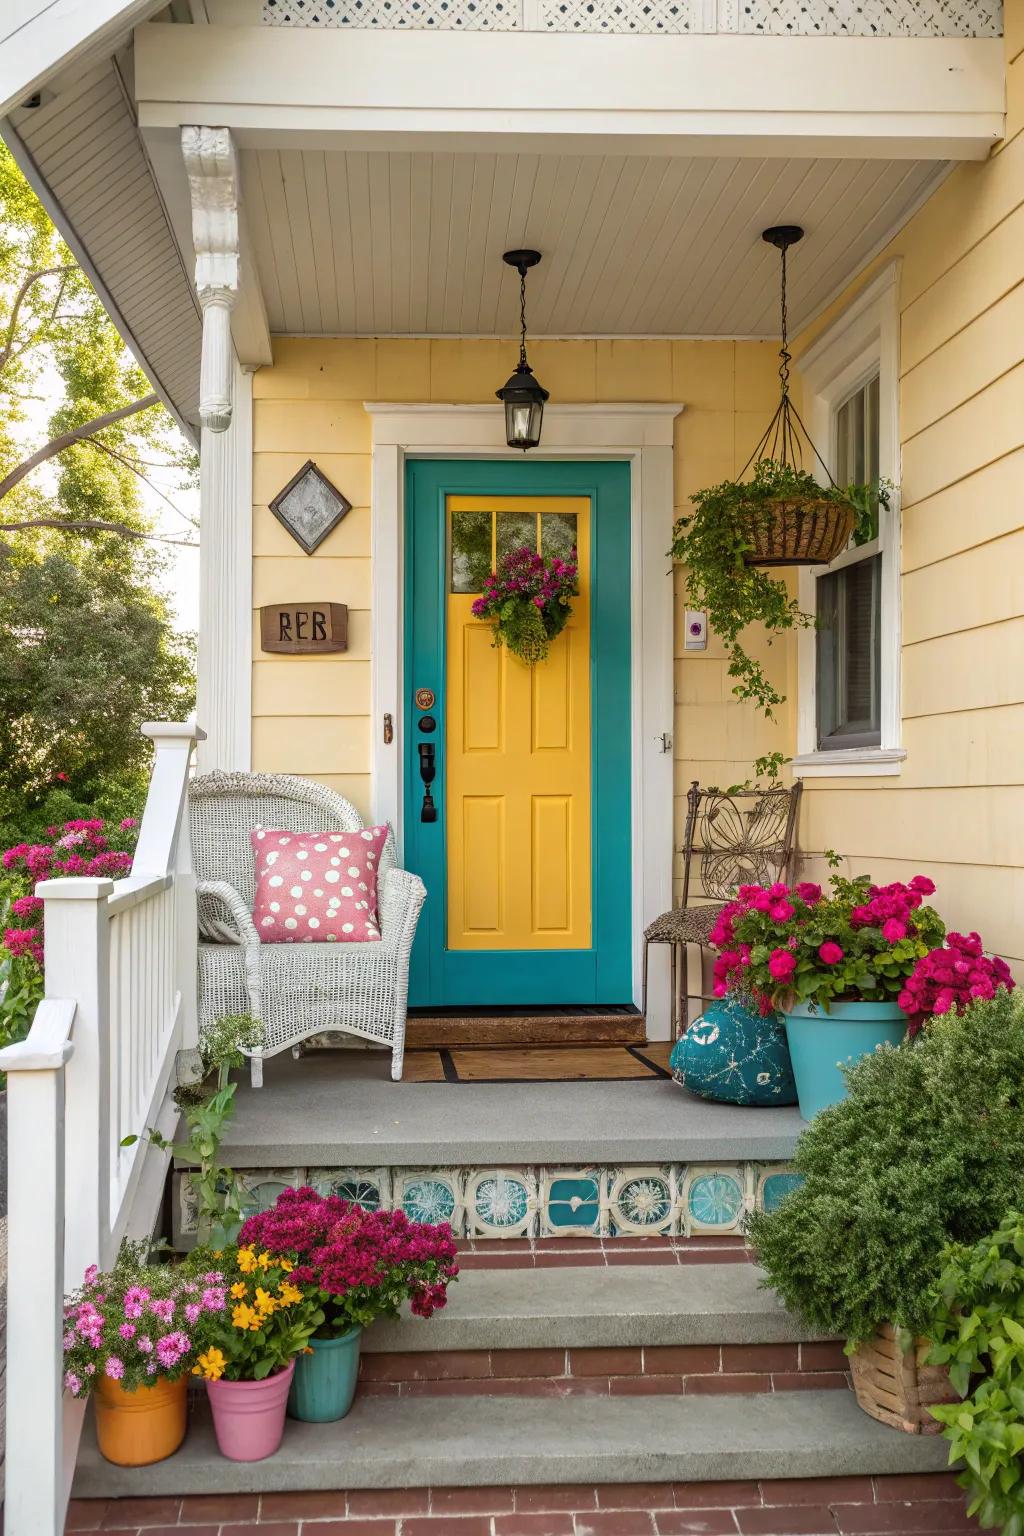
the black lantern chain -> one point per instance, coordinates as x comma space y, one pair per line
785, 436
522, 396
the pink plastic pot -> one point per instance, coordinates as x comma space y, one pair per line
248, 1416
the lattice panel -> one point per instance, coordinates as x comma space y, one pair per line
641, 16
863, 18
415, 15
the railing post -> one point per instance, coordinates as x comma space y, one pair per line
35, 1471
78, 965
165, 847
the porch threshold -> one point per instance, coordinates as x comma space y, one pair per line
341, 1108
488, 1441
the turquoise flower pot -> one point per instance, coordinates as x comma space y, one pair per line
821, 1044
325, 1381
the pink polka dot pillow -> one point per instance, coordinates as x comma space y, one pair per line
317, 887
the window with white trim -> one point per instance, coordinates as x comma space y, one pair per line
848, 717
848, 638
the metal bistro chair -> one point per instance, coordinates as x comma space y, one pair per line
745, 837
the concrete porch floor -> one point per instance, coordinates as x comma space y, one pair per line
340, 1108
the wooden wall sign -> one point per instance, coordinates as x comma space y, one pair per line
304, 629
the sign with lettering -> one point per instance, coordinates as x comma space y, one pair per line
304, 629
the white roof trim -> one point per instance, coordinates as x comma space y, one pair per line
35, 47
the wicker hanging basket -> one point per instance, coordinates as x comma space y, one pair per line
810, 530
896, 1386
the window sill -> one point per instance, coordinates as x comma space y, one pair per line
850, 763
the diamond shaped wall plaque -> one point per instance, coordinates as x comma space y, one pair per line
310, 506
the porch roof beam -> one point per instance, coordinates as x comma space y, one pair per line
918, 98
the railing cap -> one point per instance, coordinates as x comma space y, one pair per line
74, 888
49, 1044
173, 730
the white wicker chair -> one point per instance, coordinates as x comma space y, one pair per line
297, 990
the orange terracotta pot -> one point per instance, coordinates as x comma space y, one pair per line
136, 1428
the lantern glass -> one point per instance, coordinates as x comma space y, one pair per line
523, 399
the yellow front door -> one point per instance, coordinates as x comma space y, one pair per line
518, 741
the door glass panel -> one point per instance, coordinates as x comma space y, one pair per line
557, 535
514, 530
471, 550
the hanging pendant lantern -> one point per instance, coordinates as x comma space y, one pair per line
804, 524
523, 397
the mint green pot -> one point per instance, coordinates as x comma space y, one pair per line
821, 1044
325, 1381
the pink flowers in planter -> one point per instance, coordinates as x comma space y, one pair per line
950, 978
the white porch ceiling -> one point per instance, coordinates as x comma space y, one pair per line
410, 243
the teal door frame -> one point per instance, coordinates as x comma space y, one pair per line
487, 978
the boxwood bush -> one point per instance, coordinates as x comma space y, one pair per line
927, 1149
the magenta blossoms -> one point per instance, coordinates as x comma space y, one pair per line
527, 600
949, 979
360, 1264
779, 943
135, 1323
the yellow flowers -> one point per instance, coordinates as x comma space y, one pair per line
288, 1293
265, 1303
211, 1365
264, 1261
286, 1265
247, 1260
239, 1289
246, 1317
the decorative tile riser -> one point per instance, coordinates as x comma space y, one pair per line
631, 1372
667, 1200
866, 1506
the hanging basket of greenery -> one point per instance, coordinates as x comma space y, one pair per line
781, 515
526, 601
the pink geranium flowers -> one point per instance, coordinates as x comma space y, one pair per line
527, 601
950, 978
779, 944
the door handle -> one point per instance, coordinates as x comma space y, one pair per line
428, 768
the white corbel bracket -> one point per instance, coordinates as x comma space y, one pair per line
212, 166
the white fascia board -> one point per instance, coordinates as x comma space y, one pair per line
935, 98
40, 39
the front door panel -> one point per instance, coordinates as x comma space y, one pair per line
517, 744
527, 859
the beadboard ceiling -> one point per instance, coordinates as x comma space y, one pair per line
399, 243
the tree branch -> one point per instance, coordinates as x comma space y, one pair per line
93, 525
77, 435
19, 299
121, 458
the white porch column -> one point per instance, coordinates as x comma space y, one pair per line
212, 167
225, 586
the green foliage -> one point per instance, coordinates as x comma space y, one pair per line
977, 1329
206, 1119
926, 1150
85, 649
713, 542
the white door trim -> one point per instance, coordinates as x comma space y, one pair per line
643, 436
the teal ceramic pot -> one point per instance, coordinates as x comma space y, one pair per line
325, 1380
821, 1044
734, 1055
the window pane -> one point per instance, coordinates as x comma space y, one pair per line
848, 655
857, 437
471, 550
557, 535
514, 530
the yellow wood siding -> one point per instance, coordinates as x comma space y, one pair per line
956, 811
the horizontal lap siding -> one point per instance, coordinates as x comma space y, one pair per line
956, 812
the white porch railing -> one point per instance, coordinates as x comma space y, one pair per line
777, 18
96, 1066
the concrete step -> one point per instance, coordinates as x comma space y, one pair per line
593, 1308
340, 1109
474, 1442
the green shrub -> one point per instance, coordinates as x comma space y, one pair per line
977, 1326
928, 1149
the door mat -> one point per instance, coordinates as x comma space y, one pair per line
541, 1064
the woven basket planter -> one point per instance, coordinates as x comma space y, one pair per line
896, 1387
799, 531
